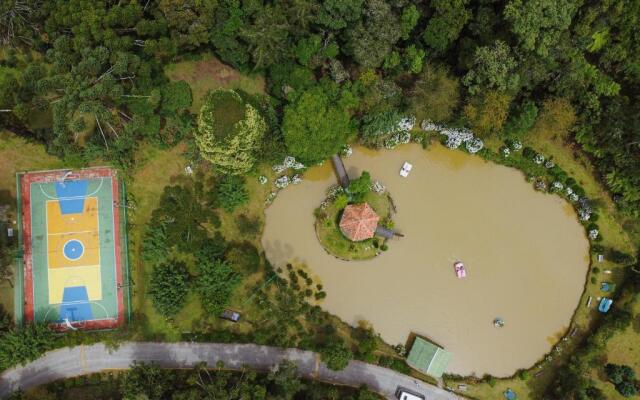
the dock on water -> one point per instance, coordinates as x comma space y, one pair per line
338, 165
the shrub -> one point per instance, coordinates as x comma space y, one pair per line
529, 154
231, 192
168, 287
627, 388
522, 118
248, 226
619, 373
19, 346
216, 283
523, 374
358, 188
336, 355
244, 256
229, 132
618, 257
341, 201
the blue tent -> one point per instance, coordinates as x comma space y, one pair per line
605, 304
510, 395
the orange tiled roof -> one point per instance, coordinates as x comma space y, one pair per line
359, 222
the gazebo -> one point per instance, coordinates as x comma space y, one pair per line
359, 222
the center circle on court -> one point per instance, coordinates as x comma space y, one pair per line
73, 249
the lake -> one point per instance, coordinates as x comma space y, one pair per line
525, 253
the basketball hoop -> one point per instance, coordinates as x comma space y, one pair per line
68, 325
64, 177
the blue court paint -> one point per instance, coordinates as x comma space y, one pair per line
72, 189
73, 249
75, 304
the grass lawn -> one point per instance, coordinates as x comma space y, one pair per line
162, 168
18, 154
622, 349
335, 243
209, 73
159, 169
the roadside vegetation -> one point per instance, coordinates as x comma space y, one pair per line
197, 101
149, 381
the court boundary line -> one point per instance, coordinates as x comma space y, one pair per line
92, 194
98, 264
27, 179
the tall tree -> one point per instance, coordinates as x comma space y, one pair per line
493, 68
446, 23
229, 132
372, 39
316, 124
435, 95
169, 286
216, 282
538, 24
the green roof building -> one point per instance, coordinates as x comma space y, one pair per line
428, 357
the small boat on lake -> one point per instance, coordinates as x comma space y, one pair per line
406, 168
458, 267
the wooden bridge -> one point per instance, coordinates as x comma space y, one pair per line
338, 165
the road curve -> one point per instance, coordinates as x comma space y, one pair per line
73, 361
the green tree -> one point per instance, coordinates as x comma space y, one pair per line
216, 282
627, 388
408, 20
538, 24
244, 256
446, 23
268, 37
435, 95
229, 132
487, 113
372, 39
494, 68
17, 22
231, 192
414, 59
556, 119
144, 381
336, 355
522, 118
188, 21
169, 286
317, 123
176, 96
338, 14
619, 373
19, 346
358, 188
285, 380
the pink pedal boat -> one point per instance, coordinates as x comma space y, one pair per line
458, 266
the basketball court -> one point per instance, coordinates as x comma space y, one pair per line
73, 260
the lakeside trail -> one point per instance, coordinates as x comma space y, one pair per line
80, 360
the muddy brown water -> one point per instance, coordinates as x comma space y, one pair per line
525, 253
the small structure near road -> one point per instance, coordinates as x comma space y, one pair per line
428, 357
359, 222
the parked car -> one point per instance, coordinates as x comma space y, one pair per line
230, 315
406, 394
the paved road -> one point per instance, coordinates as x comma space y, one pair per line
69, 362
